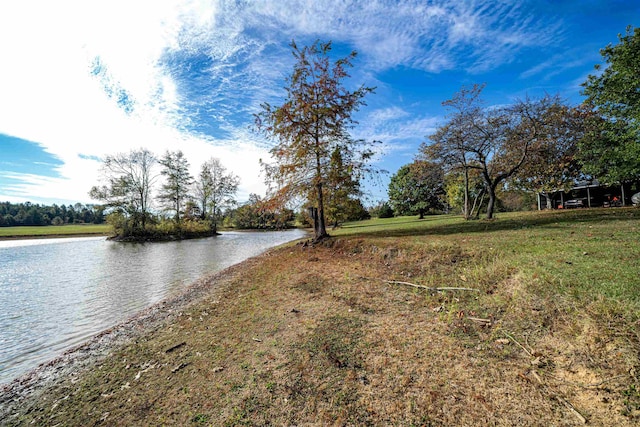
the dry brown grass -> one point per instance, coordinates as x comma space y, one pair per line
313, 336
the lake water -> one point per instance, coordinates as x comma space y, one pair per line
57, 293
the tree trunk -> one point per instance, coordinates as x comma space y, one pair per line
421, 212
313, 213
321, 231
492, 201
465, 208
475, 203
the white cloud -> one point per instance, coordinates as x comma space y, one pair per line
558, 64
399, 132
395, 125
427, 36
50, 95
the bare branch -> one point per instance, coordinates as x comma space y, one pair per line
413, 285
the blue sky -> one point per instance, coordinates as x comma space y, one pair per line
83, 79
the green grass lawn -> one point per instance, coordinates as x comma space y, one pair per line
54, 230
588, 253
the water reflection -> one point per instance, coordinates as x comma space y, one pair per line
56, 293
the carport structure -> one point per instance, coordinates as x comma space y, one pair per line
591, 194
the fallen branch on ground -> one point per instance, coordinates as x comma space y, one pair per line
519, 345
439, 289
479, 320
180, 366
175, 347
573, 410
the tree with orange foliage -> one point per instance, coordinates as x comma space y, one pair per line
313, 121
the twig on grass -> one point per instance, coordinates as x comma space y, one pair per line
516, 341
175, 347
480, 320
573, 410
179, 367
547, 389
439, 289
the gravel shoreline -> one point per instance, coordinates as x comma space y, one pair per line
76, 360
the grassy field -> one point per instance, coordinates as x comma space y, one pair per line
530, 319
54, 230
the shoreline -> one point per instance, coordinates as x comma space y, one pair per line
78, 359
50, 236
116, 239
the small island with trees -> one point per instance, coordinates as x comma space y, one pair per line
191, 206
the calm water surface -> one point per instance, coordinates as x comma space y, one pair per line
56, 293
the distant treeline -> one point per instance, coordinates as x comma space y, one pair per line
16, 214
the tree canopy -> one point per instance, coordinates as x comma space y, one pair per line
131, 189
19, 214
611, 148
497, 142
313, 121
417, 188
341, 191
552, 163
256, 213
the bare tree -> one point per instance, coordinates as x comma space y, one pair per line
215, 189
494, 141
449, 144
130, 177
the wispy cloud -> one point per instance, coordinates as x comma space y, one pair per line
428, 36
395, 124
558, 64
399, 132
88, 79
